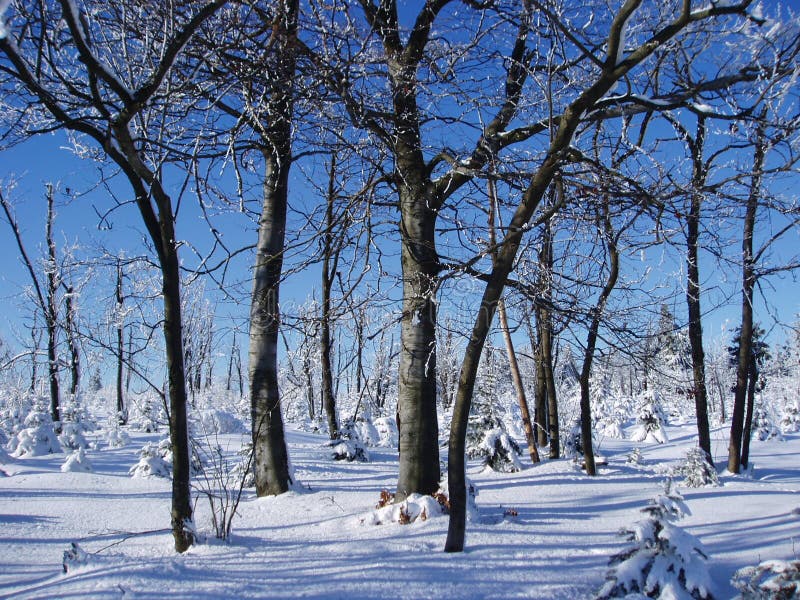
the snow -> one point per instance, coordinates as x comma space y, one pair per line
545, 532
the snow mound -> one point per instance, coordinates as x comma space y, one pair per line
151, 463
77, 463
415, 508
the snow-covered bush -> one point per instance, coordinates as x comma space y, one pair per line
77, 463
116, 437
243, 469
650, 421
387, 432
790, 417
349, 446
151, 463
488, 440
764, 427
665, 561
417, 507
37, 438
145, 414
635, 457
770, 580
216, 421
696, 470
71, 436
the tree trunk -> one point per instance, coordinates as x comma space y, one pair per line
748, 421
178, 429
51, 315
519, 387
693, 293
271, 461
746, 330
416, 403
329, 263
540, 391
122, 417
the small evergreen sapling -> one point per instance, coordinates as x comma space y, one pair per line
651, 420
665, 561
770, 580
151, 463
696, 470
488, 439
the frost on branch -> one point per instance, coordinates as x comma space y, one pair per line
664, 562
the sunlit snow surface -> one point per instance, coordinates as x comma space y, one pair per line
546, 532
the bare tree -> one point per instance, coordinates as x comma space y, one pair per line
118, 94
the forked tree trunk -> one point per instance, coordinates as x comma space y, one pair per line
746, 329
748, 420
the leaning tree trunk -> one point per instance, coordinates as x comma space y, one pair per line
270, 459
591, 343
746, 329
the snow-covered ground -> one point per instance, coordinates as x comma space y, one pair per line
545, 532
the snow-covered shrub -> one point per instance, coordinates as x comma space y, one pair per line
77, 463
770, 580
387, 432
696, 470
488, 440
145, 414
151, 463
650, 421
71, 436
116, 437
417, 507
349, 450
665, 561
790, 417
216, 421
243, 469
764, 427
349, 446
37, 438
635, 457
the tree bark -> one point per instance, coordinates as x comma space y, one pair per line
329, 265
51, 315
746, 329
271, 461
122, 417
748, 420
693, 290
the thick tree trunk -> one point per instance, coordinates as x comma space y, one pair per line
271, 461
416, 404
178, 429
270, 456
